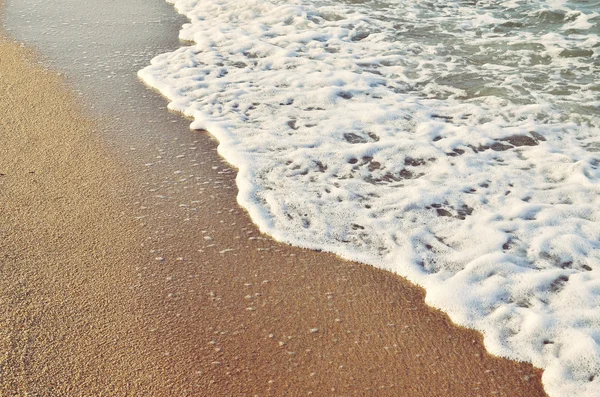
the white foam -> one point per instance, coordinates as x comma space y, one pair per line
456, 145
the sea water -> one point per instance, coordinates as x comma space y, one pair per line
455, 143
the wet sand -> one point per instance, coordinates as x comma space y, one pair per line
128, 269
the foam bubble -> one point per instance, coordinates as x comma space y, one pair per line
454, 144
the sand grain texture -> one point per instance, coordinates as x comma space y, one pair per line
65, 245
108, 288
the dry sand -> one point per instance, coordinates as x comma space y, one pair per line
107, 289
67, 322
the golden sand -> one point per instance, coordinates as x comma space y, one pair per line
102, 296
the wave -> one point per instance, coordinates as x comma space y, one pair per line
452, 142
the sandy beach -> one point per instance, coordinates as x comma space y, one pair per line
130, 270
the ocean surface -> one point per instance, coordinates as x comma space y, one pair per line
456, 143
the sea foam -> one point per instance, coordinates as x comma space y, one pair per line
453, 143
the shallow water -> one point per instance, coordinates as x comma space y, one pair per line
99, 46
455, 143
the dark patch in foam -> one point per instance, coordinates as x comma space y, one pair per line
539, 137
464, 211
250, 55
443, 212
558, 284
374, 165
508, 244
322, 167
353, 138
523, 304
373, 136
498, 147
390, 177
520, 140
409, 161
360, 36
461, 213
510, 142
566, 265
305, 223
455, 152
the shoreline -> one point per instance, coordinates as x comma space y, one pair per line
175, 290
